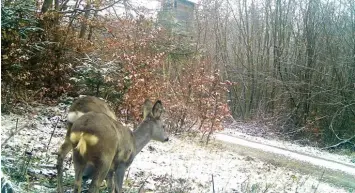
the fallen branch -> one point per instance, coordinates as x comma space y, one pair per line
341, 143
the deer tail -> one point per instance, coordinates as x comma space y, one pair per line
83, 140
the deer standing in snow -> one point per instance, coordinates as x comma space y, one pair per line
77, 109
100, 141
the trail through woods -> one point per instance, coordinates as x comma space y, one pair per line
335, 169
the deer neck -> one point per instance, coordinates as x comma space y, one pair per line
142, 136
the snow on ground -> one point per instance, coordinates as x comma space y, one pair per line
180, 165
325, 163
312, 151
232, 173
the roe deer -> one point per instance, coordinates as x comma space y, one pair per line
110, 147
77, 109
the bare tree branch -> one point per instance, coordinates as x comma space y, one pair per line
90, 9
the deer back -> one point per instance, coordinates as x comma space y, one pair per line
103, 137
89, 104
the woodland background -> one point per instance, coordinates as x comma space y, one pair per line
288, 64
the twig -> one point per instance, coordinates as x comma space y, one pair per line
213, 184
128, 173
266, 188
295, 131
13, 132
90, 9
27, 162
129, 190
244, 184
338, 112
319, 180
192, 125
213, 122
50, 139
141, 187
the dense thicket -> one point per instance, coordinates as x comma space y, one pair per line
294, 62
56, 49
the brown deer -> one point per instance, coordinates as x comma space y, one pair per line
77, 109
110, 147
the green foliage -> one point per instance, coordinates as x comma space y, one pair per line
18, 26
19, 32
108, 81
37, 53
18, 20
18, 171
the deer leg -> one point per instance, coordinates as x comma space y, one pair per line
110, 182
120, 171
62, 152
79, 166
101, 170
89, 172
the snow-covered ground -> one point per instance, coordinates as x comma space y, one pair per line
187, 159
180, 165
308, 150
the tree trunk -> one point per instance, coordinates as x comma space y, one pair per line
85, 20
47, 4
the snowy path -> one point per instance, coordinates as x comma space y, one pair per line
333, 165
341, 172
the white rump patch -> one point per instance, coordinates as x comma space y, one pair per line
75, 115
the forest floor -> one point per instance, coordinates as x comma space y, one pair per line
184, 164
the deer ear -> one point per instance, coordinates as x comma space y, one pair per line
147, 108
157, 109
